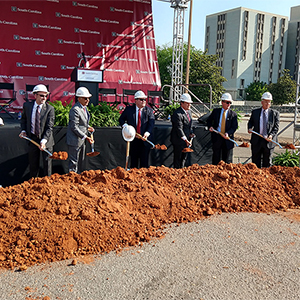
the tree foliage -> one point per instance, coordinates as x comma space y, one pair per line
284, 91
255, 90
203, 70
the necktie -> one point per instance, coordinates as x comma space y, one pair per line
265, 121
37, 121
223, 122
138, 127
188, 116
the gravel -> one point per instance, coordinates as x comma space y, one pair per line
228, 256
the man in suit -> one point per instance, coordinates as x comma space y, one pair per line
78, 130
37, 123
181, 130
141, 117
263, 120
223, 120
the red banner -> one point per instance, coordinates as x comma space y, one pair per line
43, 41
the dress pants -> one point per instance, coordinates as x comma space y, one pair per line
180, 157
76, 158
34, 155
261, 154
139, 154
220, 151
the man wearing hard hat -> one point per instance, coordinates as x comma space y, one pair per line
141, 117
37, 123
223, 120
264, 121
181, 130
78, 130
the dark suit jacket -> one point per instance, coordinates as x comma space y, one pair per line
147, 118
78, 125
47, 117
272, 126
181, 126
230, 126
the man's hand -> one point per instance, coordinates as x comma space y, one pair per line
188, 143
225, 136
42, 146
91, 129
22, 134
250, 130
90, 140
211, 129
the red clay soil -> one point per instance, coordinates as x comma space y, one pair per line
66, 216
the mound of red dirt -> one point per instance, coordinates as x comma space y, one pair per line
64, 216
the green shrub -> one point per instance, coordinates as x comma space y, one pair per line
102, 115
287, 159
169, 110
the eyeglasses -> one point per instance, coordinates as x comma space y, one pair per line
141, 99
227, 102
42, 96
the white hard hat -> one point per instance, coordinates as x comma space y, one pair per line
1, 122
140, 95
226, 97
40, 88
128, 133
186, 98
266, 96
83, 92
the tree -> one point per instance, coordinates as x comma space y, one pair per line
255, 90
284, 91
203, 70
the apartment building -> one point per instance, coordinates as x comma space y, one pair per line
251, 46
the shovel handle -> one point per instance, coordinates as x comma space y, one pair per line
127, 155
37, 144
222, 134
139, 136
265, 138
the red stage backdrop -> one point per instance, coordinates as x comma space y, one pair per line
43, 41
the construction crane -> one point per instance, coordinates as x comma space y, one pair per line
177, 57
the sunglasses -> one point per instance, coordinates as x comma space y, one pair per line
42, 96
227, 102
141, 99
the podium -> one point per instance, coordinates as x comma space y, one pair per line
89, 79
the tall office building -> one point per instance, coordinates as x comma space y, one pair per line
293, 42
251, 46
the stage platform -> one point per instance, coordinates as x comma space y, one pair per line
14, 159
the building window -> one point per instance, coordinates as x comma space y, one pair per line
221, 27
259, 45
232, 68
246, 17
207, 38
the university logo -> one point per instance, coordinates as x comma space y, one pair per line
137, 71
41, 78
14, 8
19, 64
120, 81
65, 93
16, 37
37, 52
99, 45
76, 30
97, 20
58, 14
63, 67
35, 25
114, 34
74, 3
112, 9
116, 58
60, 41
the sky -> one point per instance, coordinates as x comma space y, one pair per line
163, 16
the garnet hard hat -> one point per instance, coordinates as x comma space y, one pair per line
186, 98
226, 97
267, 96
140, 95
83, 92
40, 88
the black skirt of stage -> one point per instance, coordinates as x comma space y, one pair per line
108, 141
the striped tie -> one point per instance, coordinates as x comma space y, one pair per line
37, 122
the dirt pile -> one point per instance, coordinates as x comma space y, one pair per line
64, 216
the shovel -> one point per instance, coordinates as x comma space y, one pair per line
231, 140
128, 134
188, 149
93, 153
266, 138
159, 147
64, 155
